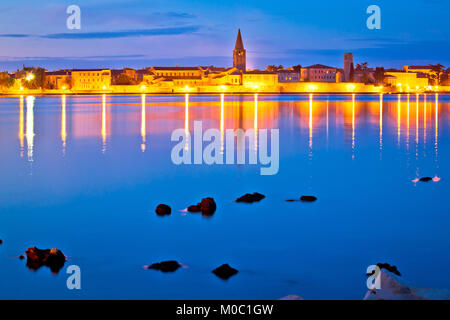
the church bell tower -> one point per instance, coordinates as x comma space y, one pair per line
239, 55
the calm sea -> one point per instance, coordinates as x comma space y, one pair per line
85, 173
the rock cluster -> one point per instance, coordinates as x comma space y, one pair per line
165, 266
250, 198
207, 207
52, 258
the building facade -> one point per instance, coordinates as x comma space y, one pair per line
434, 75
319, 73
406, 81
288, 76
257, 79
58, 79
91, 79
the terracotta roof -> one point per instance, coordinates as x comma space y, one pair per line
87, 70
319, 66
419, 67
58, 73
259, 72
177, 68
182, 78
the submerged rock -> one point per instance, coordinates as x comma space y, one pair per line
388, 267
194, 208
250, 198
291, 297
1, 241
426, 179
21, 257
52, 258
225, 271
393, 287
165, 266
308, 198
207, 207
163, 210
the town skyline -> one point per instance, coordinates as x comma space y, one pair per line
354, 77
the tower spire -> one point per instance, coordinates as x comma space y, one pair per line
239, 44
239, 53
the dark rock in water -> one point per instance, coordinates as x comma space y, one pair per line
225, 271
163, 210
21, 257
1, 241
250, 198
207, 207
165, 266
308, 198
52, 258
388, 267
426, 179
194, 208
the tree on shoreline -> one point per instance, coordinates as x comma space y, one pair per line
5, 80
274, 68
36, 81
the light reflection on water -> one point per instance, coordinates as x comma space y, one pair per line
236, 113
357, 153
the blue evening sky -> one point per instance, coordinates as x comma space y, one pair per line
139, 33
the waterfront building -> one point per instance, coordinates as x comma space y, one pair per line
288, 76
433, 74
179, 76
58, 79
177, 72
231, 76
122, 76
258, 78
428, 70
91, 79
406, 81
320, 73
